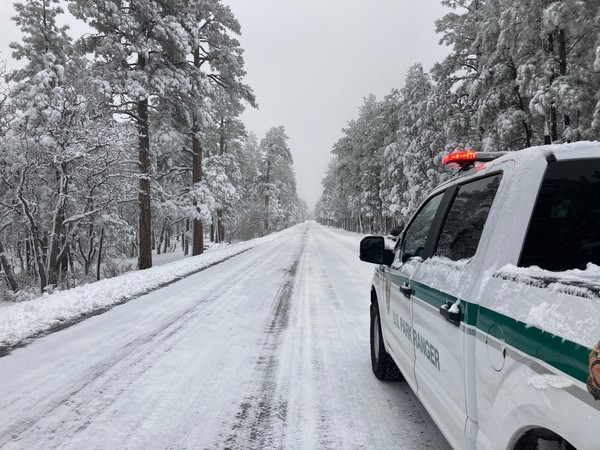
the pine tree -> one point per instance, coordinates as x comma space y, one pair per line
153, 53
277, 181
55, 114
45, 46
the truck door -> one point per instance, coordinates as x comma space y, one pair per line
440, 283
408, 256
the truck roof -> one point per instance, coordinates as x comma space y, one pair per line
554, 152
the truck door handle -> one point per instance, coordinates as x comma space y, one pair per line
406, 289
451, 312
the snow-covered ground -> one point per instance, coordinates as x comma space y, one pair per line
21, 322
267, 349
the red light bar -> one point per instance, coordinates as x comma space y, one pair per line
460, 158
467, 158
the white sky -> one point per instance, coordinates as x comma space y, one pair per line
311, 62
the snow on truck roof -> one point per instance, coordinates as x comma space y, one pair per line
471, 162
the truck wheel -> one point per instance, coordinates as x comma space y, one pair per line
540, 438
382, 363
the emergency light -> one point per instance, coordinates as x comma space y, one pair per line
465, 159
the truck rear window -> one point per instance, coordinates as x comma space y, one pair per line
564, 231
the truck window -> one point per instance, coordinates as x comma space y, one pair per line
564, 230
415, 236
463, 227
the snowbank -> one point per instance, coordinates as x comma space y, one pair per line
22, 322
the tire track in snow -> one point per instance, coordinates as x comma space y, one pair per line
287, 368
130, 362
100, 385
312, 366
353, 408
289, 408
260, 412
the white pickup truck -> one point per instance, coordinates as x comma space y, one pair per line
488, 301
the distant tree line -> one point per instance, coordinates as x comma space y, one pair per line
128, 139
520, 72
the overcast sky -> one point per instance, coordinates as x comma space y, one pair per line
311, 62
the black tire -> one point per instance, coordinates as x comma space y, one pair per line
541, 438
382, 363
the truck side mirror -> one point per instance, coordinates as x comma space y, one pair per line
397, 230
373, 250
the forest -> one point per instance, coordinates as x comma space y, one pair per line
128, 140
519, 73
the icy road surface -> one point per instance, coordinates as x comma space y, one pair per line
269, 349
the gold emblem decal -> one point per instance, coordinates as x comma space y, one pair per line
593, 381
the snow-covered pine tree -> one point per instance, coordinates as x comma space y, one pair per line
367, 138
333, 207
420, 140
569, 31
247, 213
44, 48
356, 186
519, 66
277, 181
133, 62
514, 67
455, 75
225, 143
149, 52
218, 54
58, 141
502, 109
392, 182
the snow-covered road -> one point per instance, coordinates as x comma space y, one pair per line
269, 349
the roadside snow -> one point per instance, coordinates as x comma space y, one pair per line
21, 322
269, 350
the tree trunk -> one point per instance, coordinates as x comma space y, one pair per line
186, 241
69, 260
8, 270
29, 266
553, 124
198, 239
562, 52
88, 256
267, 198
20, 255
100, 244
35, 243
53, 260
145, 219
161, 238
220, 228
562, 65
198, 233
267, 212
167, 241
